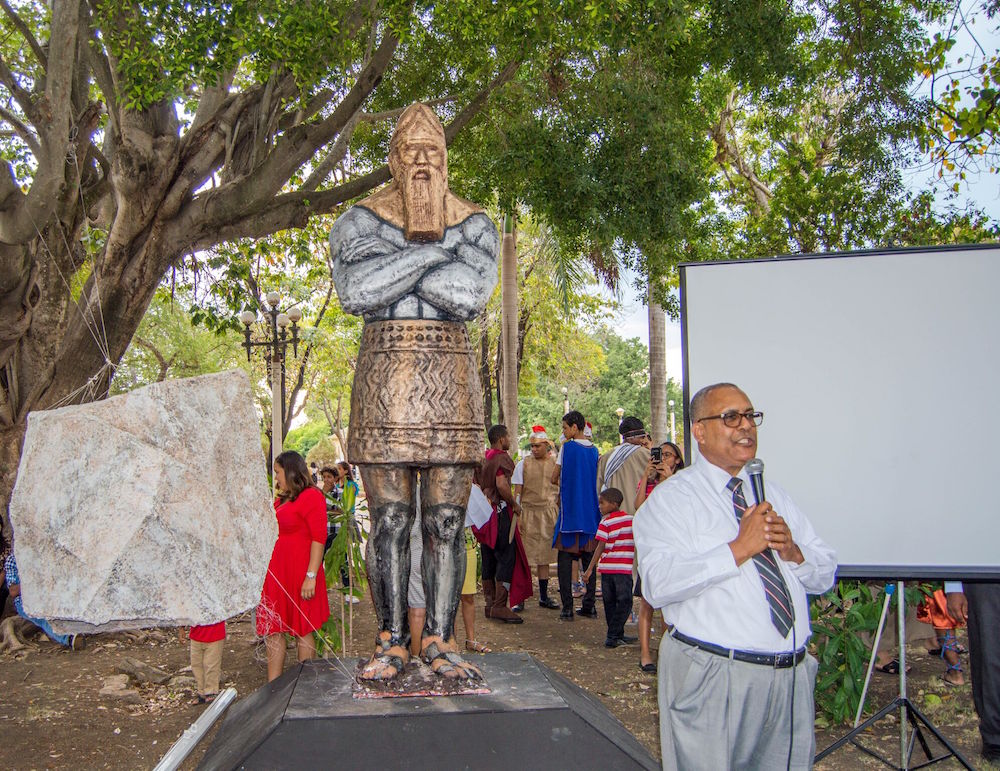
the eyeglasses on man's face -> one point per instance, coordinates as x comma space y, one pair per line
734, 418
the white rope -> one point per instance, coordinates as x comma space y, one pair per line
106, 351
103, 349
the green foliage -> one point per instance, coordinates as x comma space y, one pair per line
304, 438
326, 452
920, 225
165, 47
169, 345
842, 619
621, 381
962, 127
344, 554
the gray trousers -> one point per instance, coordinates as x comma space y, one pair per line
717, 714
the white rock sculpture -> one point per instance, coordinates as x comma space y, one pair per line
146, 509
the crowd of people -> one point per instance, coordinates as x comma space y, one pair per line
572, 507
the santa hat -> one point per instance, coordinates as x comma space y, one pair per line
588, 431
538, 432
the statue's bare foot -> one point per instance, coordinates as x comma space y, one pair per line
444, 660
387, 661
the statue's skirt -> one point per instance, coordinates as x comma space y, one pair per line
416, 398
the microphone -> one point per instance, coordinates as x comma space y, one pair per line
755, 469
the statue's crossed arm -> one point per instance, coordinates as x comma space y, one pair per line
371, 269
374, 266
462, 286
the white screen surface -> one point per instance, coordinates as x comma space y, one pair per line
878, 377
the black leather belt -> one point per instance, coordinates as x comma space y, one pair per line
776, 660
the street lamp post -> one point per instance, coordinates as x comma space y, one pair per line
673, 426
620, 413
274, 342
565, 392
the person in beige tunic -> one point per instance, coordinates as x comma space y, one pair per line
539, 500
417, 262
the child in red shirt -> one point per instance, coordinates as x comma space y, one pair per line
613, 557
206, 659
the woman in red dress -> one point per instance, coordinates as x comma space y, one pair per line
293, 599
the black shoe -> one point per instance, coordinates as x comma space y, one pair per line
592, 613
612, 642
518, 608
625, 638
565, 616
548, 602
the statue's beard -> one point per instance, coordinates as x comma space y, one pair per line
423, 205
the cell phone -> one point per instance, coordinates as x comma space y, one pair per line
656, 454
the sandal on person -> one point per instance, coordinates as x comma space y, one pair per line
649, 668
953, 668
208, 698
448, 663
892, 668
386, 657
477, 647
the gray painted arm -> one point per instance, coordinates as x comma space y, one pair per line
373, 267
462, 287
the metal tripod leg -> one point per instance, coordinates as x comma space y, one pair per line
908, 714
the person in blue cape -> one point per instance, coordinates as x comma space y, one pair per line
579, 515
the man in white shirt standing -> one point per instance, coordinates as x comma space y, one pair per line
735, 681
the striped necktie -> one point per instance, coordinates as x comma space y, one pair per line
778, 598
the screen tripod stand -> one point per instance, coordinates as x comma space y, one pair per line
909, 716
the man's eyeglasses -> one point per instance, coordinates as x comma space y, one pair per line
734, 419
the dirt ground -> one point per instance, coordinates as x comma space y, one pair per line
53, 717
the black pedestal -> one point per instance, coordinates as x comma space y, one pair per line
533, 718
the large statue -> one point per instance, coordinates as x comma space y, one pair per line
416, 262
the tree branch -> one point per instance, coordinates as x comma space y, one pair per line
300, 379
479, 100
729, 151
21, 223
335, 156
21, 96
215, 213
22, 131
300, 143
18, 22
163, 362
101, 68
374, 117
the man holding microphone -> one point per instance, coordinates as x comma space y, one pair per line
735, 681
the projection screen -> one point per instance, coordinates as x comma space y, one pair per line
877, 373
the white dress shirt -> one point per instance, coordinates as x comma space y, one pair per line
682, 535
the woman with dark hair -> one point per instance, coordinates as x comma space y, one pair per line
293, 599
670, 461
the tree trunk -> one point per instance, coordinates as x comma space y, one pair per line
484, 372
658, 427
509, 324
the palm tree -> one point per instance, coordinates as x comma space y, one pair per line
508, 325
657, 365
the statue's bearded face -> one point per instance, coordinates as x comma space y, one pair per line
420, 167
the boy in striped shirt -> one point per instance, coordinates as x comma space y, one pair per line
613, 557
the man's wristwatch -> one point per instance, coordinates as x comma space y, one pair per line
310, 574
